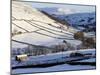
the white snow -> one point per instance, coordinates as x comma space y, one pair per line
64, 67
51, 58
89, 60
21, 13
90, 34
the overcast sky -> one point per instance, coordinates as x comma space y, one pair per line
68, 7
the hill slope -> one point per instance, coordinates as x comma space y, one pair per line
36, 27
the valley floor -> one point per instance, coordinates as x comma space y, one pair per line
58, 67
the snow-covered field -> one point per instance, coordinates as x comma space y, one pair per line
63, 67
51, 58
58, 56
89, 60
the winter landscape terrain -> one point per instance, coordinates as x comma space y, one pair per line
46, 40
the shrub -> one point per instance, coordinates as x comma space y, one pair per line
89, 42
79, 35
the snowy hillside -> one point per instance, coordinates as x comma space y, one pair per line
79, 18
37, 28
74, 19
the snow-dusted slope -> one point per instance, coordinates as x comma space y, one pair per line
38, 28
21, 11
72, 17
79, 18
